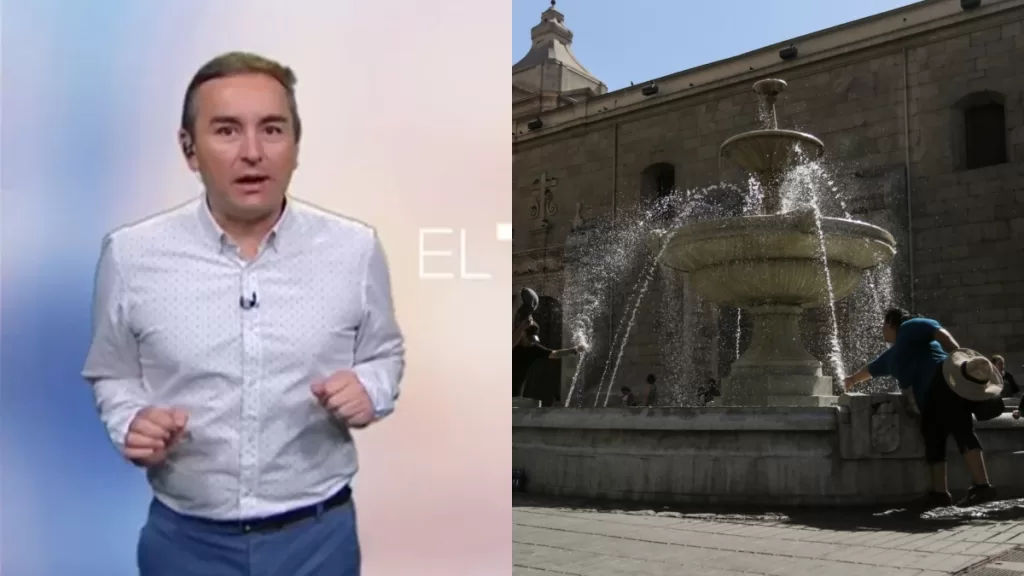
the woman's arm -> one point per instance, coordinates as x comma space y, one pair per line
517, 333
874, 369
946, 340
857, 377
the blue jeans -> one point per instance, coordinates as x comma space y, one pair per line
174, 545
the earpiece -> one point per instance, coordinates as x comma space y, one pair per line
187, 148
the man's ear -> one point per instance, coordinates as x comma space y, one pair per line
188, 149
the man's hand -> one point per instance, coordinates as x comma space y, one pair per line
152, 434
344, 396
1016, 414
581, 348
849, 383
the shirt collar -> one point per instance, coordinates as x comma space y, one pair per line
220, 239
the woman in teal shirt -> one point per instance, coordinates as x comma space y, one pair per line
919, 347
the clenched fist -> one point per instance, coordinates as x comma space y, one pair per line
344, 396
152, 434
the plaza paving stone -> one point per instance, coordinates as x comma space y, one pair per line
603, 539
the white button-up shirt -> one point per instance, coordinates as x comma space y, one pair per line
169, 331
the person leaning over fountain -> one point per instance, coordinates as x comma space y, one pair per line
525, 353
945, 381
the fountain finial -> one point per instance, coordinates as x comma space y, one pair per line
769, 89
770, 153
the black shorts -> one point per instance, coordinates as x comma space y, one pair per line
946, 414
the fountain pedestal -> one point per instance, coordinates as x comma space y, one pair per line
775, 369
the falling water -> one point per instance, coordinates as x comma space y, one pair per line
581, 360
803, 187
675, 334
596, 261
867, 309
836, 354
645, 283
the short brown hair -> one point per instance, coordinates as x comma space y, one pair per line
235, 64
998, 358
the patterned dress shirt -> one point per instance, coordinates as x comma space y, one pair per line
170, 330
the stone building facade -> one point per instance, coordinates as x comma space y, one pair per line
921, 110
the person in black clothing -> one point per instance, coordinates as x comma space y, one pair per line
651, 394
528, 351
1010, 387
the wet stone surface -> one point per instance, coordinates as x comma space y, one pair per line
601, 539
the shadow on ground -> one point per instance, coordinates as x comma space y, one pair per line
896, 519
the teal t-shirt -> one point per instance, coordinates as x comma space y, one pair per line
913, 359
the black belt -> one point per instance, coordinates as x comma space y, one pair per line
285, 519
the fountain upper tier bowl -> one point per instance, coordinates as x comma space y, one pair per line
774, 260
771, 152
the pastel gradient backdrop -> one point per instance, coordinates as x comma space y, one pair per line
405, 105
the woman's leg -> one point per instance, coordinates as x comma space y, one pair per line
935, 434
959, 421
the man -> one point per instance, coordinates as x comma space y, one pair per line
527, 351
1010, 387
920, 358
238, 340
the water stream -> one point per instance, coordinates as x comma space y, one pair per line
641, 293
836, 352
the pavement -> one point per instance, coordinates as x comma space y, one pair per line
578, 538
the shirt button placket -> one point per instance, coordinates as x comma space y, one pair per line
251, 370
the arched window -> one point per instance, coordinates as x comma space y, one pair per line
658, 180
983, 142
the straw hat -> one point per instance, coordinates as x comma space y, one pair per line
972, 376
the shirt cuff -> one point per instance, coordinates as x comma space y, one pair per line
117, 408
379, 392
118, 423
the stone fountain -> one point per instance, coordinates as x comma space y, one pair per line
771, 266
780, 437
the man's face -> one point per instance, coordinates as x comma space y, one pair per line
245, 147
1000, 366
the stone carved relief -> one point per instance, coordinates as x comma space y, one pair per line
885, 428
543, 205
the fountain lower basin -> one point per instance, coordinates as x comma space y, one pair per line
775, 260
866, 451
